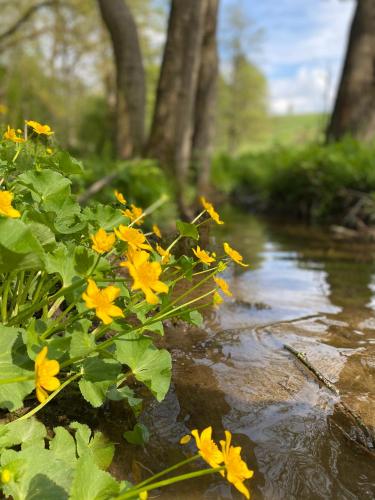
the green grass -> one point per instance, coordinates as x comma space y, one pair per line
286, 130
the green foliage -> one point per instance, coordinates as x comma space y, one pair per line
72, 465
315, 182
242, 107
70, 317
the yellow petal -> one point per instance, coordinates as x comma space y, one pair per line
185, 439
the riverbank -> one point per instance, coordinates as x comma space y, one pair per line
330, 184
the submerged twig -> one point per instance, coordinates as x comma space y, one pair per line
303, 358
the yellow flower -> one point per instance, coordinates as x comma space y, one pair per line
6, 476
156, 230
204, 256
39, 128
185, 439
234, 255
143, 495
133, 237
210, 209
134, 214
223, 285
217, 299
6, 198
145, 275
102, 301
120, 197
236, 469
102, 241
164, 254
11, 135
45, 371
3, 109
208, 449
49, 151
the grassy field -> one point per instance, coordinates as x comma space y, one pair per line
291, 130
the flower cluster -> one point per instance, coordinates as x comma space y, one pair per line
235, 469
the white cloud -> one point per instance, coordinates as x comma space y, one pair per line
303, 49
310, 90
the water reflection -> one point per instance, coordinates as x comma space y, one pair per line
302, 289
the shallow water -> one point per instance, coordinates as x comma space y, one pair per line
302, 289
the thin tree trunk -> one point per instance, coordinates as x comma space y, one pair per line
130, 77
354, 111
205, 100
172, 127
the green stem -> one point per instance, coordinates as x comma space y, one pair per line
133, 493
151, 209
167, 471
4, 300
24, 292
44, 302
17, 290
50, 397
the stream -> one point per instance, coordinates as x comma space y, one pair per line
304, 289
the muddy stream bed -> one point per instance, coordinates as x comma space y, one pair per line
302, 289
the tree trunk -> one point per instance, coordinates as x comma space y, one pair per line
204, 119
130, 77
172, 127
354, 111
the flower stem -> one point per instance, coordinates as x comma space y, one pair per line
167, 471
133, 493
50, 397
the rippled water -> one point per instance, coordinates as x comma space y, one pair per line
314, 294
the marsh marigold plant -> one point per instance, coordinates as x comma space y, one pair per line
85, 292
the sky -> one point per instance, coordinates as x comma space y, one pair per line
301, 49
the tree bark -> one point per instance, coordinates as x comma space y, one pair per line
130, 77
204, 119
354, 110
172, 126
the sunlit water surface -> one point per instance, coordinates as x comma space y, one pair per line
302, 289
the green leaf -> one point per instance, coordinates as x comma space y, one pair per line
148, 364
91, 483
21, 432
103, 216
13, 361
139, 435
81, 343
61, 261
19, 248
99, 375
119, 394
195, 318
45, 185
63, 445
42, 233
156, 327
40, 475
83, 260
66, 164
97, 446
188, 230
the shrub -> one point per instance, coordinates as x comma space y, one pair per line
322, 183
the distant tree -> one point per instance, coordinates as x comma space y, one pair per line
172, 126
130, 77
205, 100
354, 110
242, 115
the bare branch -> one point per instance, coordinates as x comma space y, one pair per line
26, 16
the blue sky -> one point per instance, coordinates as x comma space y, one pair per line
301, 49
